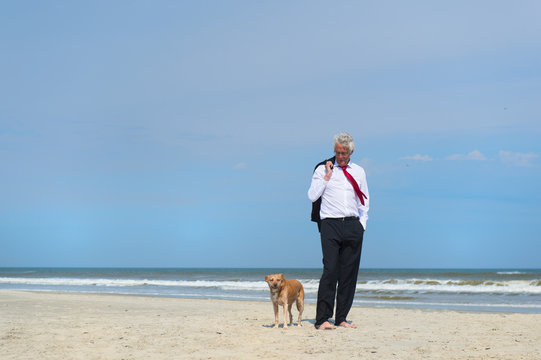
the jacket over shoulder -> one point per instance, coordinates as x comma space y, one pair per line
316, 205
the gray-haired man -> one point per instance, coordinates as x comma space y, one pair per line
344, 211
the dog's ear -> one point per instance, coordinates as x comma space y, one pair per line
267, 278
281, 276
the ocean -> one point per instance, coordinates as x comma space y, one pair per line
501, 290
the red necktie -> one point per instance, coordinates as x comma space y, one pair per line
358, 191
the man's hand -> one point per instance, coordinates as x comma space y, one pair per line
328, 168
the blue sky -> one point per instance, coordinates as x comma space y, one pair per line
184, 134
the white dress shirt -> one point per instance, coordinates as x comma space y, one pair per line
338, 199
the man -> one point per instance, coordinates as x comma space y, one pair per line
344, 212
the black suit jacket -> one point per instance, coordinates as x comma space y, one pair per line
316, 205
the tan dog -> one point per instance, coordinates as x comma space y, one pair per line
285, 292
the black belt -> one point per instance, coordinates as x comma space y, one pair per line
347, 218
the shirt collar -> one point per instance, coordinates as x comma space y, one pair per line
347, 166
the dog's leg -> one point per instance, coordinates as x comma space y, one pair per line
300, 305
275, 305
290, 313
285, 315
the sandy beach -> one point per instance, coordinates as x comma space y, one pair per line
79, 326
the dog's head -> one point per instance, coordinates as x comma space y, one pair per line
275, 281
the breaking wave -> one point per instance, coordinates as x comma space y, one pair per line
390, 285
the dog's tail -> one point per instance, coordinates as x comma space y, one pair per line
300, 299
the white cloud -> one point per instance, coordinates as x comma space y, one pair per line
417, 157
517, 159
365, 162
474, 155
240, 166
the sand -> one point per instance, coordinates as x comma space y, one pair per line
37, 325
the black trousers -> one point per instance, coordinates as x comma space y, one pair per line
341, 244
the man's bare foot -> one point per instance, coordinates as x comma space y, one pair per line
326, 326
348, 325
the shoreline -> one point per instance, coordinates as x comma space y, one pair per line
50, 325
471, 290
458, 307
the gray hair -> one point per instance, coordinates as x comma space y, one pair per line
345, 140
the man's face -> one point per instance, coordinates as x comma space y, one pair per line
342, 155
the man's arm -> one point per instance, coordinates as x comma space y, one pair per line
320, 179
363, 209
